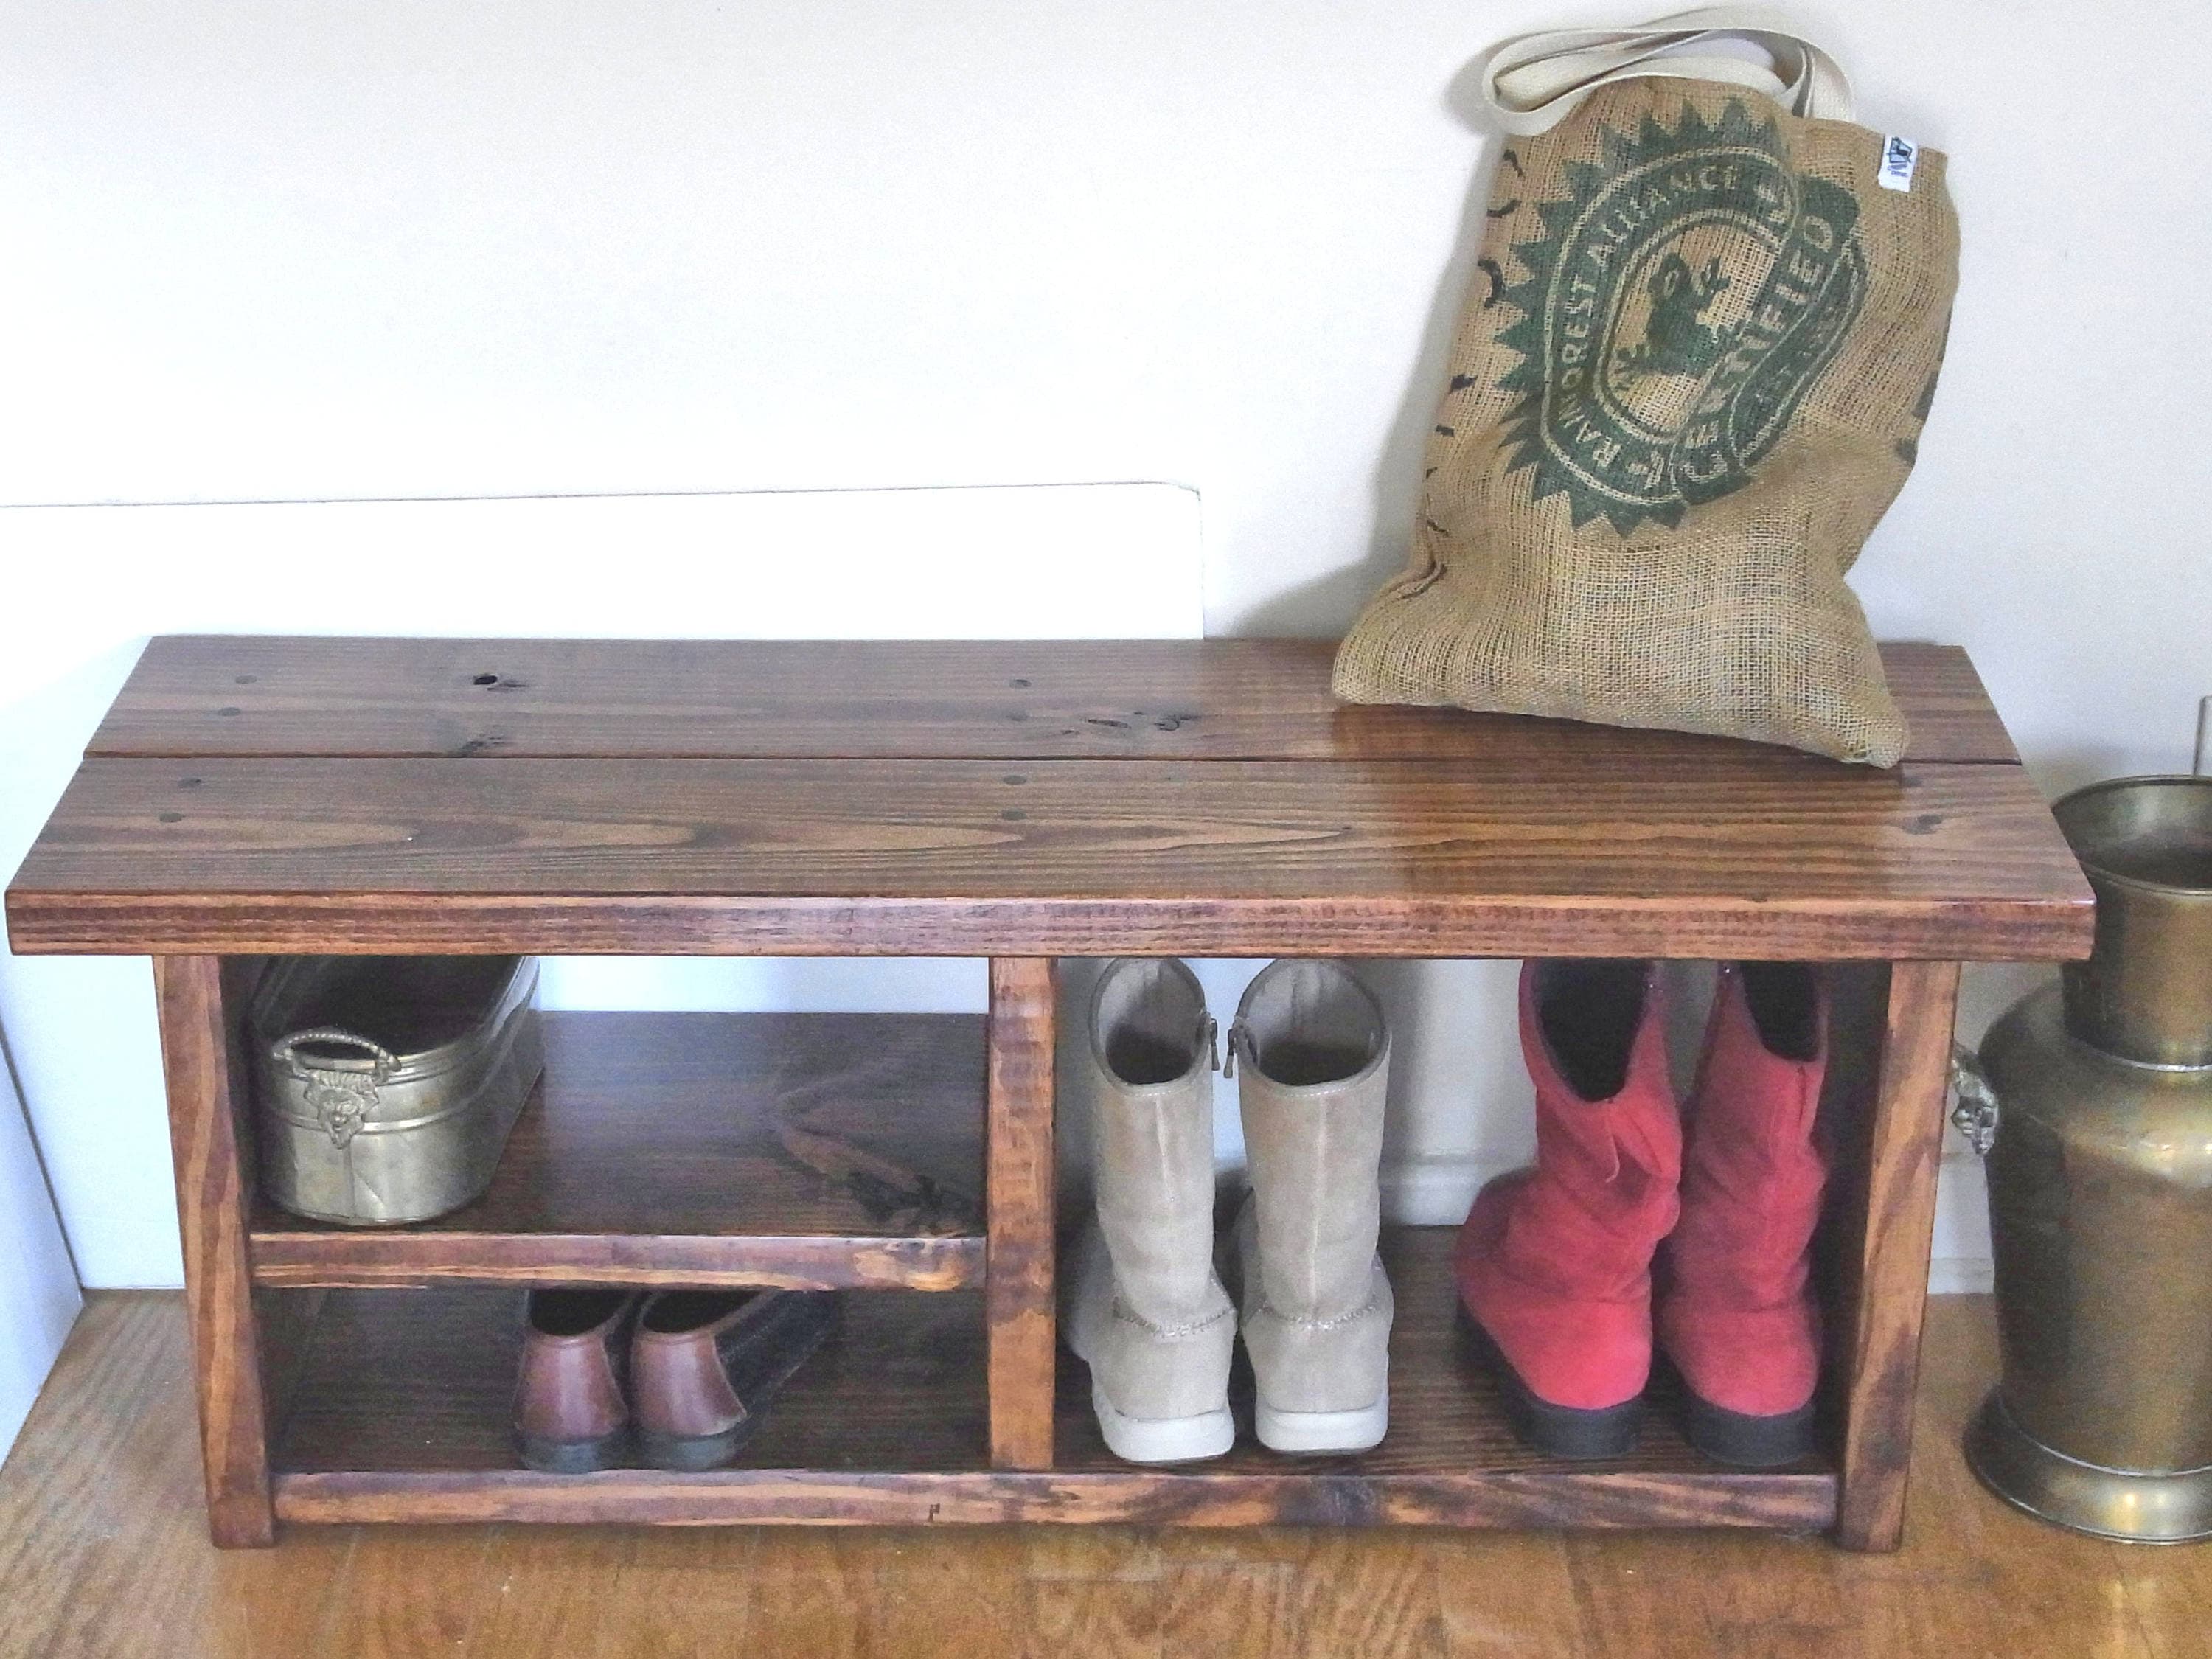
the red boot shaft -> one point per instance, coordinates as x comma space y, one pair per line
1736, 1316
1555, 1262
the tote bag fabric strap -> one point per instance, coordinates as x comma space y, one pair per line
1531, 81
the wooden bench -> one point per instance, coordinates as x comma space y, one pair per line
1019, 801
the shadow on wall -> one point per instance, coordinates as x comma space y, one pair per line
1325, 607
2061, 771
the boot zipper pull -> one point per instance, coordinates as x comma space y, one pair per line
1212, 1042
1236, 1030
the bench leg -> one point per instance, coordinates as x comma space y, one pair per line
209, 1136
1019, 1209
1886, 1263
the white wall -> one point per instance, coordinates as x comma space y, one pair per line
260, 250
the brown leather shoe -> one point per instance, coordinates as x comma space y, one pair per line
570, 1417
704, 1363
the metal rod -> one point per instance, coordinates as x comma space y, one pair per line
2204, 732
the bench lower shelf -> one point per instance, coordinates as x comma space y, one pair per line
401, 1403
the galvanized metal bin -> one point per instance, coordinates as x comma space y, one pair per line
387, 1085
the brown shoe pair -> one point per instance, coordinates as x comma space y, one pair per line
700, 1366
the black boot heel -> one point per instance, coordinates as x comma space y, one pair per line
1572, 1433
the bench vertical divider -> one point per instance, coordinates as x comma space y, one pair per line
1019, 1176
1904, 1145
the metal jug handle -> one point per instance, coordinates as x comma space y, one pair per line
343, 1091
1977, 1114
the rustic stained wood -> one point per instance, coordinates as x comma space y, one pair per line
1461, 1498
213, 1150
403, 1415
1881, 1365
815, 1151
1019, 1167
1747, 854
731, 700
1017, 801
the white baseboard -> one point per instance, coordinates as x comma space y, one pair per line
1960, 1275
1432, 1192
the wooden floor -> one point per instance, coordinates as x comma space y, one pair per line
102, 1552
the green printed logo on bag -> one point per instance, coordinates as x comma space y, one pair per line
1679, 302
1690, 379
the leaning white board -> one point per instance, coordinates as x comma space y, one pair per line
84, 586
39, 1298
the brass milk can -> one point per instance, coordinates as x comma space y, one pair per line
2099, 1091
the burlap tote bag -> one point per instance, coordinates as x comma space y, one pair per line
1690, 377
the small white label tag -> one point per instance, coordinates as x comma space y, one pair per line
1899, 157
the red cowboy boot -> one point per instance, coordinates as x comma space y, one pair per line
1735, 1316
1555, 1262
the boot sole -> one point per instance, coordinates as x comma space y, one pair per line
1163, 1439
694, 1453
1573, 1433
611, 1451
1306, 1433
1744, 1441
777, 1347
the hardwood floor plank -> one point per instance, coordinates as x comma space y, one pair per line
1113, 1620
535, 1602
1351, 1596
403, 1595
878, 1594
1226, 1605
1781, 1601
1975, 1575
1623, 1607
681, 1593
1087, 1554
103, 1533
1510, 1596
2173, 1606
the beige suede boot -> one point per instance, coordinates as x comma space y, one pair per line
1316, 1059
1145, 1310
